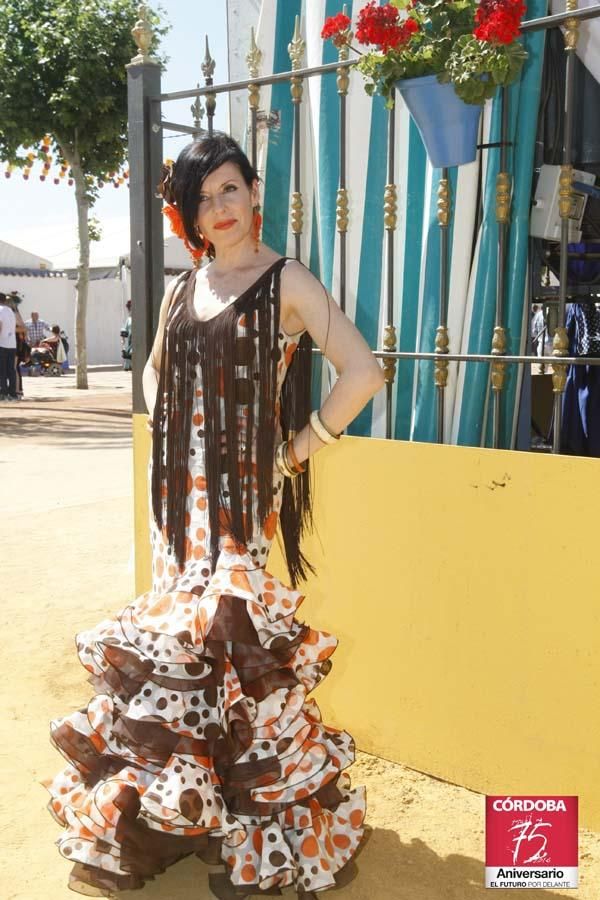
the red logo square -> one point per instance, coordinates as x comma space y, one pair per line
531, 841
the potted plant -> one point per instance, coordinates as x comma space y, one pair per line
446, 57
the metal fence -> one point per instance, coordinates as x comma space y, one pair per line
146, 127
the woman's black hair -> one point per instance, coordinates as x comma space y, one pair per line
180, 185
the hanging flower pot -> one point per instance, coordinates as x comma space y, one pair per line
473, 43
448, 126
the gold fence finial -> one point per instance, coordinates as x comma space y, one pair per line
208, 66
254, 56
142, 35
296, 46
296, 52
210, 99
344, 49
343, 74
197, 111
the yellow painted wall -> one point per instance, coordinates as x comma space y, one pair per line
141, 500
463, 585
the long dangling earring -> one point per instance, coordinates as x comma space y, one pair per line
256, 226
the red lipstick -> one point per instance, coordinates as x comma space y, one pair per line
221, 226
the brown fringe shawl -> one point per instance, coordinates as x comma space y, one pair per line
238, 368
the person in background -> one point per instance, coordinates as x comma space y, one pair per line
23, 349
8, 351
65, 342
36, 329
538, 330
126, 345
53, 345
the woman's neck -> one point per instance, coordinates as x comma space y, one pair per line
241, 257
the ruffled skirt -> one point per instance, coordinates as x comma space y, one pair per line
201, 739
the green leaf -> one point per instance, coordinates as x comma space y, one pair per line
62, 68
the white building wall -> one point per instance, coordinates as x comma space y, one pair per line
54, 299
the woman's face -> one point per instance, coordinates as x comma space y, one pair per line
225, 205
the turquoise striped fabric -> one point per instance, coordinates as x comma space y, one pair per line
277, 172
523, 97
416, 257
410, 278
366, 316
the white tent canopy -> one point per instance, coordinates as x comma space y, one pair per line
16, 258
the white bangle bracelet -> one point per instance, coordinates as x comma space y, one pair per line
320, 430
282, 463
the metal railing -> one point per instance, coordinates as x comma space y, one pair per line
145, 140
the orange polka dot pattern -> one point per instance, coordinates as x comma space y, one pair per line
201, 728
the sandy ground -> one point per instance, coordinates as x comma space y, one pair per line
66, 561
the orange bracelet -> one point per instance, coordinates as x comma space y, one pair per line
294, 459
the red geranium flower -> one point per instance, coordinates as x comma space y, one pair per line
381, 26
334, 28
498, 21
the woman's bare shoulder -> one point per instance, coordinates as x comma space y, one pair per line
304, 300
297, 280
170, 291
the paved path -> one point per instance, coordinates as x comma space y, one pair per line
66, 563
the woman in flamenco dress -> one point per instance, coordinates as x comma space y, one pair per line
201, 737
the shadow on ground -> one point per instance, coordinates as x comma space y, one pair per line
74, 428
387, 869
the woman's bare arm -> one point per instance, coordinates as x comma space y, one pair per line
305, 305
151, 371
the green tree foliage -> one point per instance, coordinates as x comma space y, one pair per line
62, 73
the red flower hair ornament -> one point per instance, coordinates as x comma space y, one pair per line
177, 227
173, 213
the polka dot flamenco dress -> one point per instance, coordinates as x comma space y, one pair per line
201, 737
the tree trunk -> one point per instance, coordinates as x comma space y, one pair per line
71, 154
83, 273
